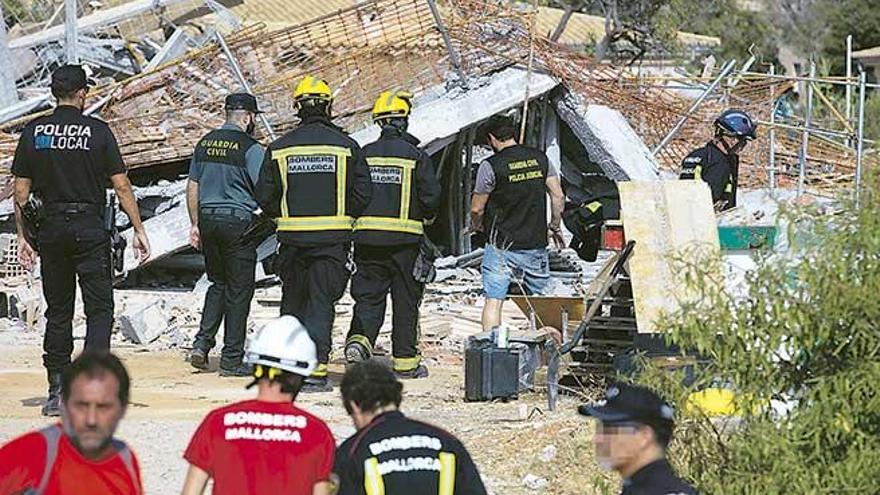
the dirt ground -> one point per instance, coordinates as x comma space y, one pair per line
520, 447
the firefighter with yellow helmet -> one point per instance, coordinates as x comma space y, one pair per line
388, 238
315, 182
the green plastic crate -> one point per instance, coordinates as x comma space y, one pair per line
740, 238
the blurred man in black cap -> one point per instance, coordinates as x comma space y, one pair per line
65, 159
220, 199
633, 428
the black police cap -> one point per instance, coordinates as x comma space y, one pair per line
70, 78
242, 101
632, 404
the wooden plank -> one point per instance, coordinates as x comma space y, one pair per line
666, 219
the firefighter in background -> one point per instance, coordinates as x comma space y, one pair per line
717, 163
388, 238
315, 182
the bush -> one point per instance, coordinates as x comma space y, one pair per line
801, 349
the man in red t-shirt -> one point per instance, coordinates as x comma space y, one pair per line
79, 455
266, 445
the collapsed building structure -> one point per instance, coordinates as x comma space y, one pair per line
464, 60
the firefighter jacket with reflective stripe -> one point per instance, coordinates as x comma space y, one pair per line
395, 455
516, 214
719, 170
405, 191
315, 182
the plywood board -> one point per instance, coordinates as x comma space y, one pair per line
666, 220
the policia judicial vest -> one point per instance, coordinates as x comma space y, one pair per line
316, 164
395, 213
517, 210
224, 179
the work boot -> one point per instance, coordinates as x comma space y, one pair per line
355, 352
315, 384
52, 407
240, 370
199, 359
420, 372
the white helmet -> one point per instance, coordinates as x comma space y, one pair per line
283, 343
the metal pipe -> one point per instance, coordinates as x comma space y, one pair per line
453, 55
70, 36
819, 132
772, 161
849, 40
8, 92
724, 71
805, 136
860, 137
840, 81
236, 70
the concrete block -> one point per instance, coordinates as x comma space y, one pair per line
609, 140
146, 323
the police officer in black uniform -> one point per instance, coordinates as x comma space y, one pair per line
387, 238
717, 163
633, 428
220, 197
392, 454
315, 182
66, 159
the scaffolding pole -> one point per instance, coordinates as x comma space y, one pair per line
860, 137
805, 136
453, 55
236, 71
70, 35
8, 94
772, 133
849, 40
724, 71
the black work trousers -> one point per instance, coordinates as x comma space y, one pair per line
381, 269
75, 246
313, 279
230, 264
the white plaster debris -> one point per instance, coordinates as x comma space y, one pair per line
609, 140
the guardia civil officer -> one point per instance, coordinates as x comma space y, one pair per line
315, 182
717, 163
633, 428
66, 158
220, 198
387, 238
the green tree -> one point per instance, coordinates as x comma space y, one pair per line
805, 335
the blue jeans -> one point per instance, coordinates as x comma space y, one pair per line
531, 267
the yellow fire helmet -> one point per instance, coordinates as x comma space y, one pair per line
392, 104
312, 88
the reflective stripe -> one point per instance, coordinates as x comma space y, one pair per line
320, 371
392, 224
407, 364
305, 224
314, 223
594, 206
402, 223
729, 187
373, 482
447, 474
362, 340
698, 172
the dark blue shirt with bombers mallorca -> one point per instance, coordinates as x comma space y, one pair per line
226, 164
